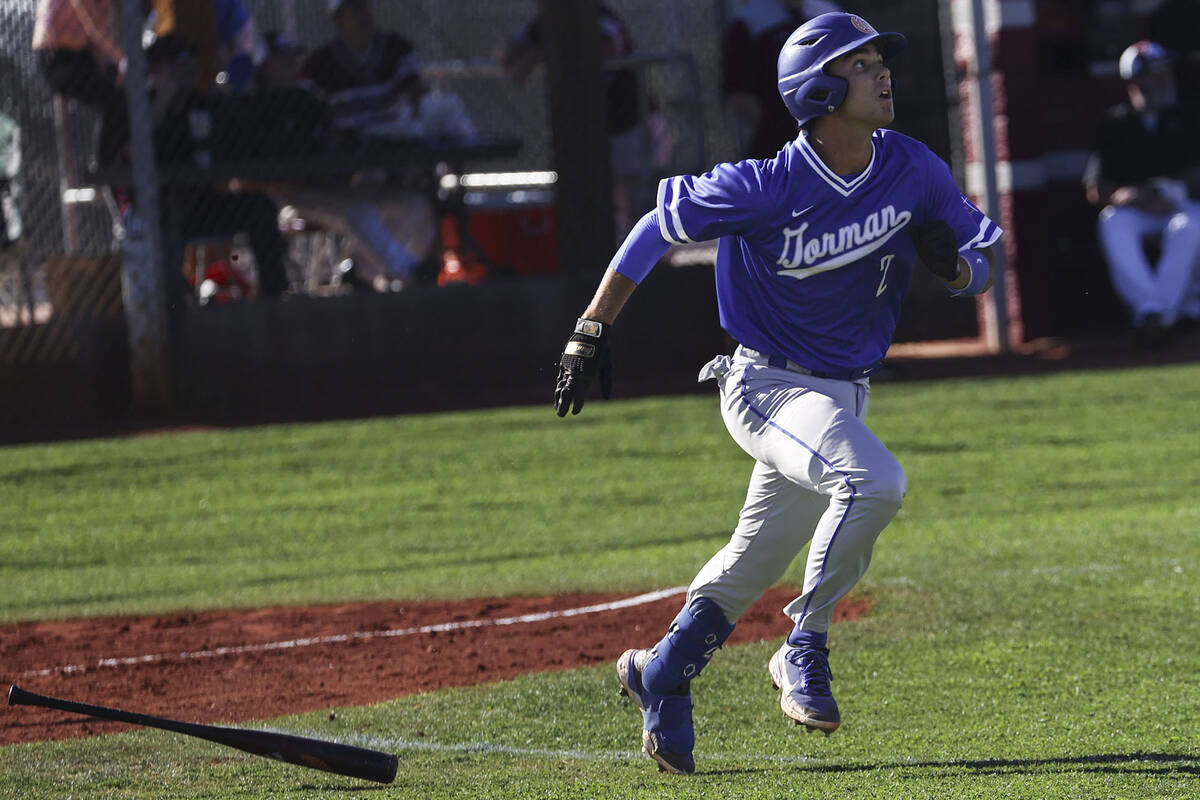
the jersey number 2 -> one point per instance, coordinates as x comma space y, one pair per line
884, 264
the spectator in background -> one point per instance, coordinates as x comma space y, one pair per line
1145, 173
75, 41
185, 127
372, 83
238, 46
363, 72
749, 49
630, 146
222, 35
77, 50
1176, 26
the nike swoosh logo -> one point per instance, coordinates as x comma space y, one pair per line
805, 211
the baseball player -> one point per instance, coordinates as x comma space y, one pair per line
1144, 173
816, 250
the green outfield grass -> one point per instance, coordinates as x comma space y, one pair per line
1035, 631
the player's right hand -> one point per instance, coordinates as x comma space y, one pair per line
585, 357
937, 248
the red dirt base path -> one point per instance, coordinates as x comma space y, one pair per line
257, 683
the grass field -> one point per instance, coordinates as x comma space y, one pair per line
1036, 602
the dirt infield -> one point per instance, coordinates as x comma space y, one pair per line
174, 666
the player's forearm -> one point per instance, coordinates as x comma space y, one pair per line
638, 254
612, 293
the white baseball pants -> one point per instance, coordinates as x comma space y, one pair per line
821, 475
1163, 288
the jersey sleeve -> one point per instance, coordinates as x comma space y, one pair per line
972, 228
697, 208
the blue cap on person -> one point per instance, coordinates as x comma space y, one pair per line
1142, 56
806, 89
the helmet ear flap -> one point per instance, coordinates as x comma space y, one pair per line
827, 92
817, 97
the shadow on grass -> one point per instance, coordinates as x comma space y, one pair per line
310, 787
1116, 763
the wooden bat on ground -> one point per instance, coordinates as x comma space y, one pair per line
343, 759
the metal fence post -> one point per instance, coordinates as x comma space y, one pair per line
574, 65
997, 334
142, 277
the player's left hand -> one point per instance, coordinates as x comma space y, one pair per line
585, 357
937, 248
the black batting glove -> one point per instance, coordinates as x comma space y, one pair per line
585, 357
937, 248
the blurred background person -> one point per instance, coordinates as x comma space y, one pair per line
239, 48
629, 138
353, 208
76, 45
78, 54
371, 81
1145, 174
750, 47
186, 127
222, 35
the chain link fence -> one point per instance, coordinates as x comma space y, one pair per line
66, 179
267, 187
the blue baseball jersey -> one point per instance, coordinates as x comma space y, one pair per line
812, 265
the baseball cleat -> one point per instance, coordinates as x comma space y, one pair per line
667, 735
630, 676
802, 675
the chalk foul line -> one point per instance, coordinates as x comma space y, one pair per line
358, 636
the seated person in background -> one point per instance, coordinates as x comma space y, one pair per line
1145, 173
77, 50
371, 82
629, 138
184, 132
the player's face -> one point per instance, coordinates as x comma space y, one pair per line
869, 98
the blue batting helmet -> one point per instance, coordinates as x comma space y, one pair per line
1141, 57
806, 90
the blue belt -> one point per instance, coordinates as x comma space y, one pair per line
779, 362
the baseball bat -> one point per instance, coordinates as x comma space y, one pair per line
343, 759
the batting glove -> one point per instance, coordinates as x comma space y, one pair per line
937, 248
585, 357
